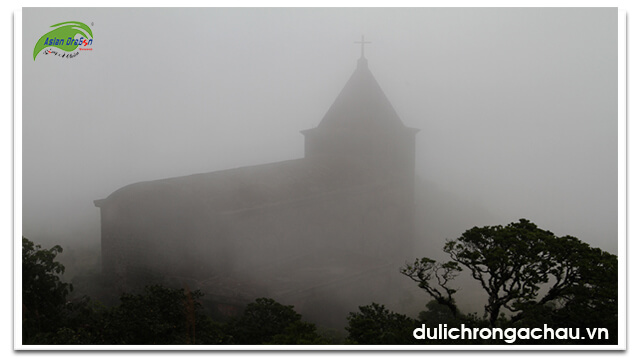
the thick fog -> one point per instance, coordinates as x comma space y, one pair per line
517, 108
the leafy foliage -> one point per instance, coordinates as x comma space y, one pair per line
533, 275
266, 321
157, 316
584, 293
437, 314
82, 323
537, 276
511, 263
44, 295
376, 325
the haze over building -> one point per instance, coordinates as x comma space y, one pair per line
327, 231
517, 111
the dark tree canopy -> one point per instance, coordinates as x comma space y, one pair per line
510, 262
375, 325
266, 321
43, 293
158, 315
525, 270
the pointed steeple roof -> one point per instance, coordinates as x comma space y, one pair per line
361, 105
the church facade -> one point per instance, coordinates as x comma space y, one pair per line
327, 231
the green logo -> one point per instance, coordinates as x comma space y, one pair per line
64, 38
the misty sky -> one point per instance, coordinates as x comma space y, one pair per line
517, 107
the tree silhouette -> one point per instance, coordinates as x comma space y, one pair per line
266, 321
527, 271
43, 293
374, 324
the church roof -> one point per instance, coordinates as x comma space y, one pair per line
361, 105
240, 189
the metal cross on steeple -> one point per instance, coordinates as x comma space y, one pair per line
362, 42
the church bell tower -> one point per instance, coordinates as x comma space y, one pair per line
362, 138
362, 129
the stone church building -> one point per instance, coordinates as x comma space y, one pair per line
325, 233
